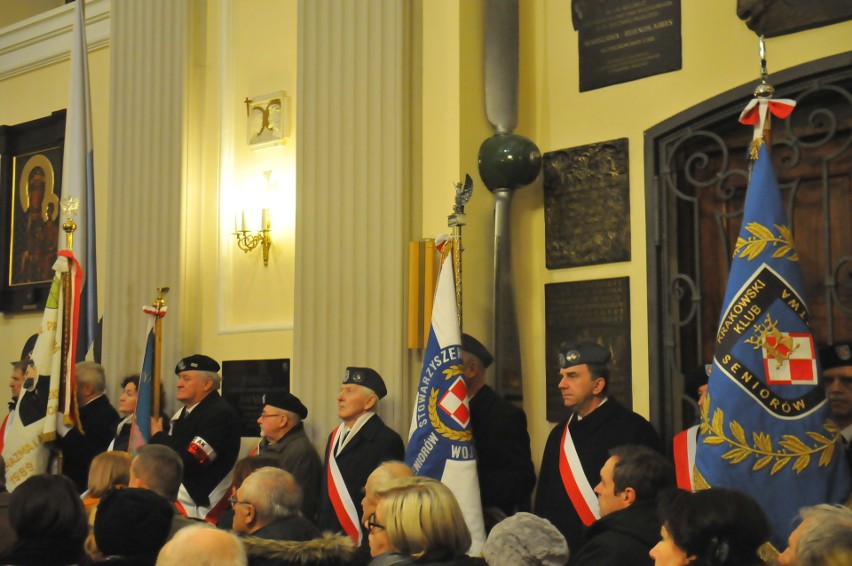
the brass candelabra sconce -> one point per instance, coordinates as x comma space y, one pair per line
248, 240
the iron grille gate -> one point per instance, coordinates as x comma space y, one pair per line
696, 178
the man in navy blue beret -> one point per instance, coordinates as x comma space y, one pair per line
206, 434
355, 448
836, 362
284, 438
578, 447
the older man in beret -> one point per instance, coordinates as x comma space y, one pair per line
284, 438
355, 448
836, 361
206, 435
503, 458
578, 447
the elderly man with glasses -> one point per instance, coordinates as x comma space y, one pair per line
284, 438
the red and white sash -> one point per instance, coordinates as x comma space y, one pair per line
344, 507
684, 457
579, 490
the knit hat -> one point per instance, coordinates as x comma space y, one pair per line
132, 522
524, 539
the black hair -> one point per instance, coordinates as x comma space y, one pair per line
718, 526
600, 370
48, 506
132, 378
645, 470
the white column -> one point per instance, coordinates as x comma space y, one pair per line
352, 203
147, 219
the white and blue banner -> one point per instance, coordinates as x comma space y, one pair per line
440, 443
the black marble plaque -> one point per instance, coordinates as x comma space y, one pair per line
245, 381
624, 40
587, 205
595, 311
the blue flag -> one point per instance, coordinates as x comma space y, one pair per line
140, 429
765, 427
78, 186
440, 443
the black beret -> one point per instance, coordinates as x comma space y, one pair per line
366, 377
197, 362
286, 401
836, 355
132, 522
695, 378
576, 353
473, 346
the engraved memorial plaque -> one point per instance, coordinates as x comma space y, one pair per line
587, 205
245, 381
623, 40
594, 311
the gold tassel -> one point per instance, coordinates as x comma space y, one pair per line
768, 553
754, 149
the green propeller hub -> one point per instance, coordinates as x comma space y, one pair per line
508, 161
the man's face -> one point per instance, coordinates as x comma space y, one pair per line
608, 500
352, 402
192, 387
15, 382
788, 557
378, 537
578, 388
272, 421
369, 502
702, 395
242, 513
838, 389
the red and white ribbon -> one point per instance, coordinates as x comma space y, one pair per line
579, 490
344, 507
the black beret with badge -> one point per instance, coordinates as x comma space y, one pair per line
473, 346
197, 362
836, 355
576, 353
366, 377
287, 402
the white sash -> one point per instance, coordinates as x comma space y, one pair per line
577, 486
341, 500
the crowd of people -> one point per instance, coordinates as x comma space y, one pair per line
606, 494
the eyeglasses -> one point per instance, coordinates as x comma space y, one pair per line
267, 415
372, 524
234, 501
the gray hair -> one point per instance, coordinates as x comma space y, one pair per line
214, 377
273, 492
828, 533
92, 374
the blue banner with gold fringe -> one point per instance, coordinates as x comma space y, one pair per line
765, 426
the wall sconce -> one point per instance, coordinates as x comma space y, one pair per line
247, 241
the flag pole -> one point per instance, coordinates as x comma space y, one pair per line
455, 221
70, 207
159, 306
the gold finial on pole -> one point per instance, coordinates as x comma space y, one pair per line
160, 306
70, 208
456, 220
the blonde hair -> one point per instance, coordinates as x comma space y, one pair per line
108, 470
422, 517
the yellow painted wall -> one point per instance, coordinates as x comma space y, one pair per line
36, 94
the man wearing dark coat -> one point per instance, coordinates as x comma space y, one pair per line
579, 445
284, 438
629, 527
503, 458
206, 435
355, 448
98, 420
836, 362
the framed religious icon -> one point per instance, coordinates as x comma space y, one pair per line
31, 184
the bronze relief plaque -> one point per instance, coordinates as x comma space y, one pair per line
587, 205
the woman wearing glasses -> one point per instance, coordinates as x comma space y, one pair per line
418, 521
